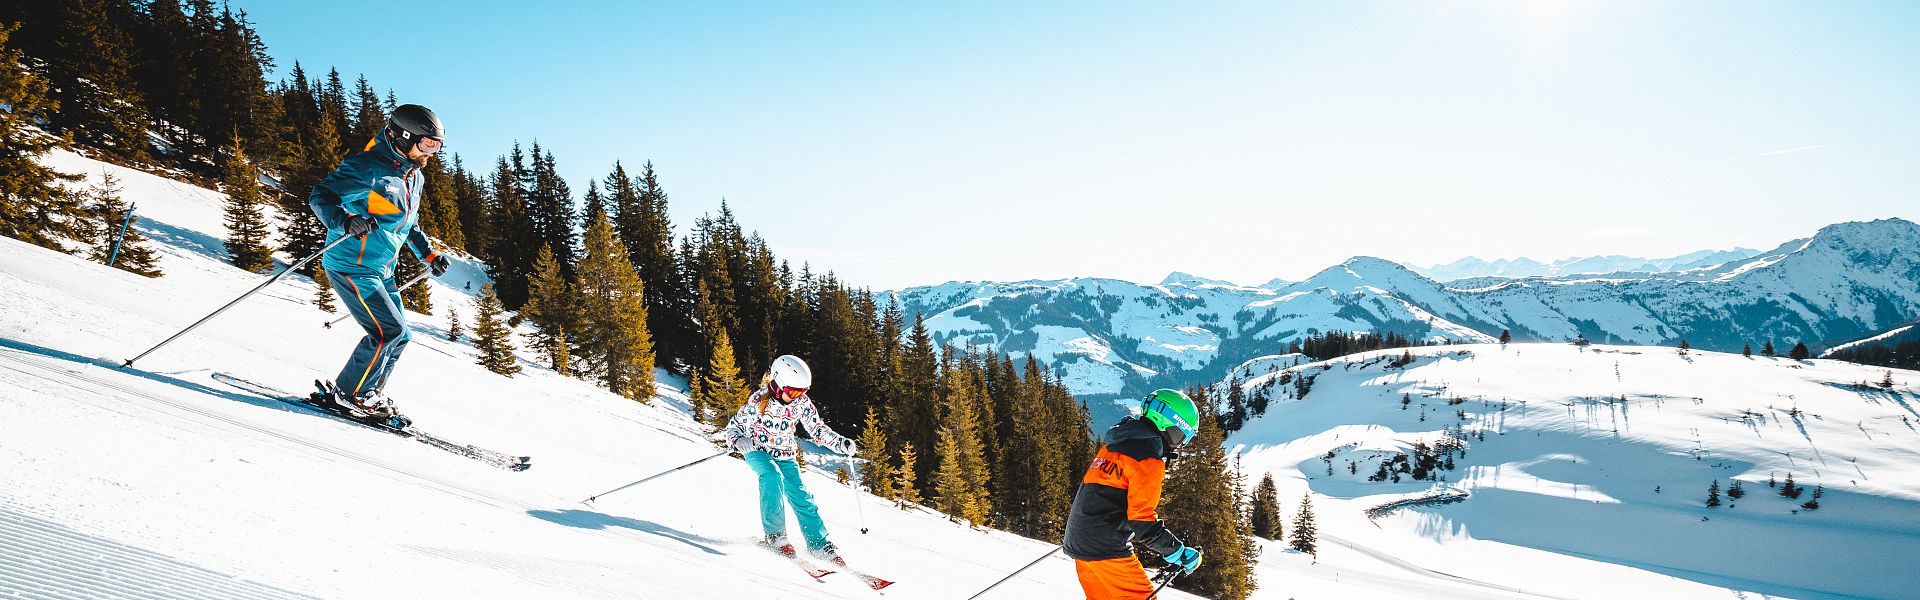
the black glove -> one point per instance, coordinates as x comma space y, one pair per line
438, 263
357, 225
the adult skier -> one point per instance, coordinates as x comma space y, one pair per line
1118, 496
763, 431
374, 197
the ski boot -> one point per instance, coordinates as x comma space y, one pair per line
779, 545
829, 553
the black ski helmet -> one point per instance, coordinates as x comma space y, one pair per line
410, 122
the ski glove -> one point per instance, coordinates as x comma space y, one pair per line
1188, 558
845, 447
357, 225
438, 264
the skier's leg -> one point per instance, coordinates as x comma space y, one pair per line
1113, 579
803, 506
773, 514
365, 298
391, 356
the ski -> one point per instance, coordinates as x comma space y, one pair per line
395, 425
811, 569
873, 582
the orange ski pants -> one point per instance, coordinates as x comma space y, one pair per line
1113, 579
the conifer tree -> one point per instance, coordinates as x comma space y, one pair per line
1305, 536
1506, 337
614, 341
1767, 350
323, 290
471, 198
440, 206
551, 307
91, 64
1886, 383
314, 155
1200, 484
1788, 489
114, 228
513, 241
905, 493
721, 389
1266, 517
246, 226
561, 359
960, 486
1747, 351
1713, 494
368, 116
454, 331
1799, 351
872, 455
1734, 491
418, 297
33, 207
491, 336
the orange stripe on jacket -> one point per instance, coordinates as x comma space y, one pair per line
1141, 479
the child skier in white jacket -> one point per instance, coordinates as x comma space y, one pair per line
764, 432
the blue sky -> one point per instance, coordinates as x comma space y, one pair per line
902, 144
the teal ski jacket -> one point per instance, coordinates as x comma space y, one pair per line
377, 182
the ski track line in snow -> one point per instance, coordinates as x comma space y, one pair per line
1426, 572
44, 559
67, 376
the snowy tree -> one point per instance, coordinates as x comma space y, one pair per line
1713, 494
1788, 489
1305, 536
905, 495
872, 455
453, 326
1734, 491
113, 228
323, 291
246, 225
492, 337
1265, 516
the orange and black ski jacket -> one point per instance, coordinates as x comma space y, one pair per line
1118, 497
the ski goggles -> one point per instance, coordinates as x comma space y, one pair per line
790, 393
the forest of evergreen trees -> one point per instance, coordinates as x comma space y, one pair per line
601, 278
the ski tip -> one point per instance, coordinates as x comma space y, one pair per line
881, 584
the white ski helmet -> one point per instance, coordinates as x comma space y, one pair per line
790, 372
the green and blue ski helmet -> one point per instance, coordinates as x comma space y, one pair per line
1170, 411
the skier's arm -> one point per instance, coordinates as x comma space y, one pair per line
1144, 479
341, 193
821, 434
417, 241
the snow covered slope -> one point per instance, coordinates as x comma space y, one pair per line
158, 482
1590, 467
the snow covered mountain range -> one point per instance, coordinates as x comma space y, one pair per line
1111, 339
1579, 265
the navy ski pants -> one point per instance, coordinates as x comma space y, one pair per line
374, 302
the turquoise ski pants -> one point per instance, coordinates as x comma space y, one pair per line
780, 478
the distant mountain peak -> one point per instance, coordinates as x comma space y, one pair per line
1191, 280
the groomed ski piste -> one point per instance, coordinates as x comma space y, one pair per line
160, 482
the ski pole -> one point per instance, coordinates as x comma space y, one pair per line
590, 499
860, 506
408, 284
269, 281
1165, 578
1010, 575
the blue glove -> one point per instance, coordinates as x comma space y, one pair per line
1188, 558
